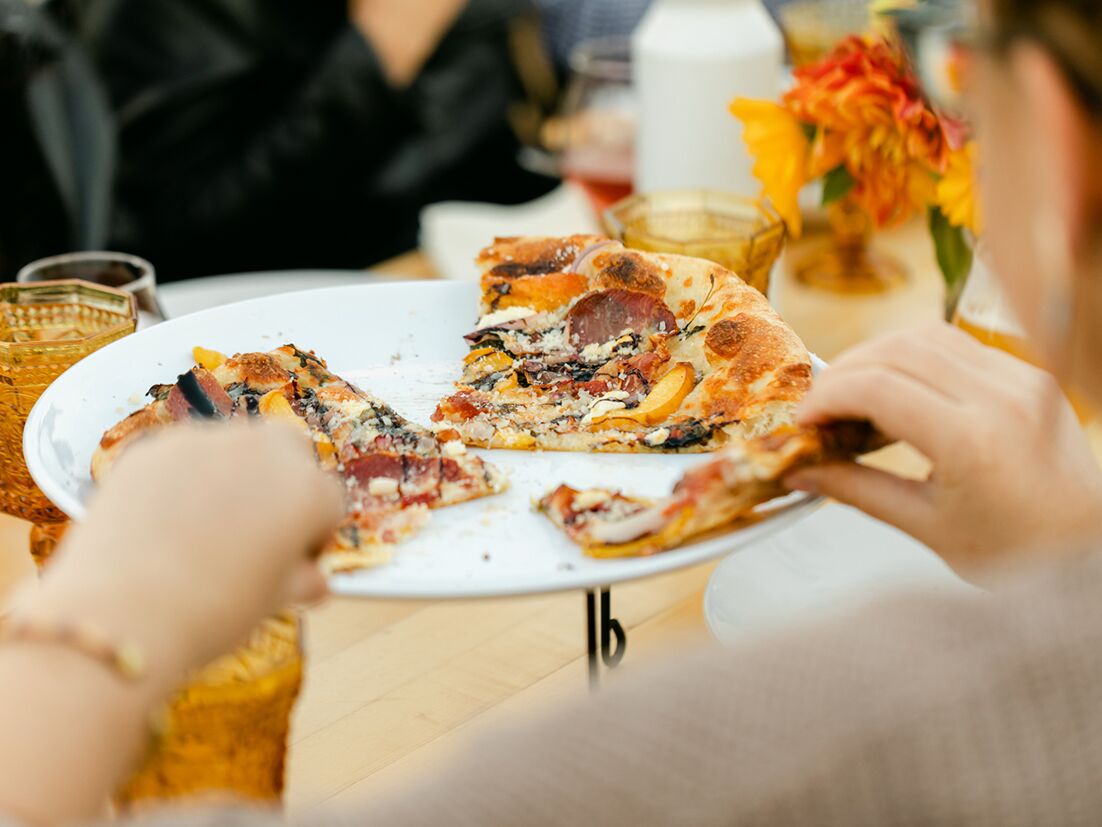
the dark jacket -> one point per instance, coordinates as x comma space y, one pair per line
56, 142
260, 134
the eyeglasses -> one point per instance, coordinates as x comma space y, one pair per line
942, 36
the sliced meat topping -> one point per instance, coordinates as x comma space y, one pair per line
461, 406
212, 389
410, 478
365, 468
605, 315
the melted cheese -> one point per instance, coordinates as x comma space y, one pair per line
382, 487
587, 500
602, 407
509, 314
454, 448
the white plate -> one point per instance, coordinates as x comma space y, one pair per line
402, 341
180, 298
832, 562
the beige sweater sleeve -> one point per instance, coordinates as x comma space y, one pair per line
923, 710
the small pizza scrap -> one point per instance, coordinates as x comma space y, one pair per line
394, 471
711, 495
585, 345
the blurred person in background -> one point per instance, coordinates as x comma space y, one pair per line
281, 133
934, 708
56, 142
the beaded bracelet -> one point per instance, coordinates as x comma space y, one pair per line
127, 660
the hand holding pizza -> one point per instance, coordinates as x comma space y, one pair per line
1012, 468
199, 534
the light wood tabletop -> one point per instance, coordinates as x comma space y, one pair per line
393, 686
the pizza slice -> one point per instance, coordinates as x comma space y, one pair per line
394, 470
585, 345
709, 496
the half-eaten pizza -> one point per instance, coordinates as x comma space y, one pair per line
394, 470
712, 495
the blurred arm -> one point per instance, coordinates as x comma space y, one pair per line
154, 566
71, 728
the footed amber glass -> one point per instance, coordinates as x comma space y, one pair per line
226, 731
844, 261
46, 328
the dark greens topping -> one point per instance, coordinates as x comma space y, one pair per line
541, 375
305, 359
689, 433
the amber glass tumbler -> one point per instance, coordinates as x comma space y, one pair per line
745, 235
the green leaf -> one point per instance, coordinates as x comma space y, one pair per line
836, 184
954, 254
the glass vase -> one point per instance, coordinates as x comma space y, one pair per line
845, 262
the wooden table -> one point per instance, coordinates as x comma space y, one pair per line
393, 686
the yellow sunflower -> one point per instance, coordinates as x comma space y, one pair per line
956, 191
780, 147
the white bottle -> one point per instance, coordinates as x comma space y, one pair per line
690, 59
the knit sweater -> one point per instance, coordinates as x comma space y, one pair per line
927, 709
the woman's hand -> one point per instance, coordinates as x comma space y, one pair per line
1012, 469
197, 535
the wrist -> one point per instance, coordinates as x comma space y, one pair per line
121, 617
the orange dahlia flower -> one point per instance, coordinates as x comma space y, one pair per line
866, 115
870, 116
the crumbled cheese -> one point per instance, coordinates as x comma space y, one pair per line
587, 500
509, 314
454, 448
382, 486
618, 396
553, 340
598, 353
479, 429
659, 437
